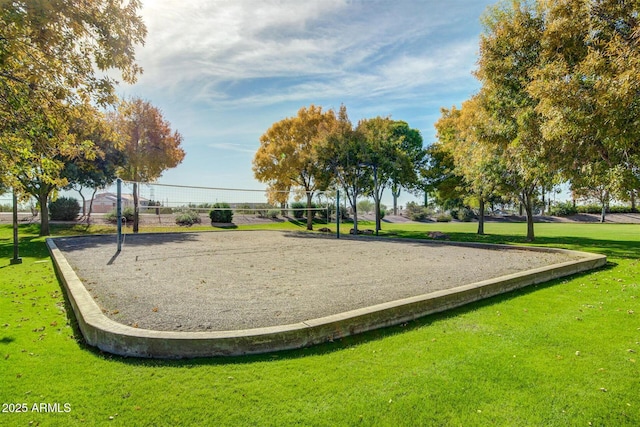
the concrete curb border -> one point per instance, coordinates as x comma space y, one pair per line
113, 337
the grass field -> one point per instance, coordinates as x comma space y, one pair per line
564, 353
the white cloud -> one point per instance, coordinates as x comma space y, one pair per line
225, 70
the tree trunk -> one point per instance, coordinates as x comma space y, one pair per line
310, 212
353, 202
93, 195
84, 202
481, 217
395, 195
527, 201
43, 198
633, 200
135, 207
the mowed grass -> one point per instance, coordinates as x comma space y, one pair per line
564, 353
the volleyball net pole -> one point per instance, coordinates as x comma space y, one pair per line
119, 211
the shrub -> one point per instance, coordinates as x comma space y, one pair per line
416, 212
325, 214
383, 211
262, 210
365, 206
443, 218
563, 209
188, 218
64, 209
221, 213
590, 208
300, 209
620, 209
465, 215
127, 214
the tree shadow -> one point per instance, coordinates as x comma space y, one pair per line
342, 344
79, 243
610, 248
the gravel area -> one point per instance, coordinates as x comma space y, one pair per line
228, 280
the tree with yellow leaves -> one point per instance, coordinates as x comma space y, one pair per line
288, 156
150, 146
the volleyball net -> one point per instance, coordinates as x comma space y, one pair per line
188, 205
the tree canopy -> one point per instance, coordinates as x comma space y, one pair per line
56, 63
558, 101
288, 156
149, 145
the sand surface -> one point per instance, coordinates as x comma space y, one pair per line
228, 280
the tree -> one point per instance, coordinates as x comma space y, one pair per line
587, 89
439, 177
411, 146
289, 154
38, 169
343, 150
463, 135
391, 155
510, 53
54, 61
150, 146
100, 170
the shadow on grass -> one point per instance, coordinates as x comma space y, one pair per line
610, 248
350, 341
32, 246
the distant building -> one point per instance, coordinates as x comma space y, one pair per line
106, 202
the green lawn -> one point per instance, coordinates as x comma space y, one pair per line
565, 353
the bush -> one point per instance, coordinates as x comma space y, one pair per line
563, 209
443, 218
590, 209
416, 212
620, 209
188, 218
262, 210
465, 215
64, 209
221, 213
365, 206
325, 214
273, 213
127, 215
383, 211
300, 209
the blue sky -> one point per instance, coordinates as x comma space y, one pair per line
224, 71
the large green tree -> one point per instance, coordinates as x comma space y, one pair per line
393, 154
101, 168
343, 150
588, 88
463, 134
55, 59
510, 52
